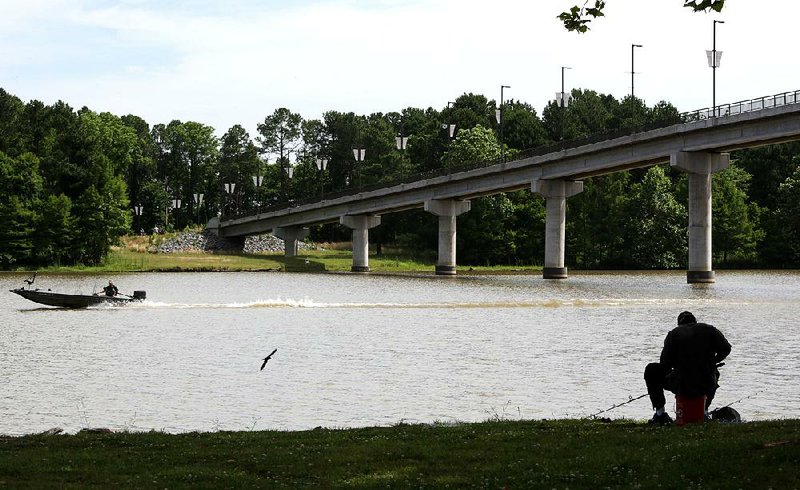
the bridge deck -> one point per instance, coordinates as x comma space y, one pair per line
637, 150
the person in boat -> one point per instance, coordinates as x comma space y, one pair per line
688, 365
111, 289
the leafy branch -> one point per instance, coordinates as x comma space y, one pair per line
704, 5
578, 18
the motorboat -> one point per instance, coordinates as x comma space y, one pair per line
62, 300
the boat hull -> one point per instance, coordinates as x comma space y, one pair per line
61, 300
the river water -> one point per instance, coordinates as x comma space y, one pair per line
366, 350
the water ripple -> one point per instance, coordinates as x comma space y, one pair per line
357, 350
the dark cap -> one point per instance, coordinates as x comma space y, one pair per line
686, 317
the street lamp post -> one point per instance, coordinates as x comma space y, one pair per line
289, 175
499, 116
714, 57
451, 128
563, 99
198, 200
167, 190
176, 204
157, 140
400, 141
563, 95
229, 189
322, 165
138, 210
359, 154
257, 181
633, 72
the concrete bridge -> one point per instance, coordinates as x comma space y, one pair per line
698, 148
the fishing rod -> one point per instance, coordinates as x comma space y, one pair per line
751, 395
630, 399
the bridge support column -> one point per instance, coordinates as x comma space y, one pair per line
699, 166
555, 193
213, 225
360, 225
447, 210
290, 235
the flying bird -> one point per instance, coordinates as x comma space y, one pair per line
268, 358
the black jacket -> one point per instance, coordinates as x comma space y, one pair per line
692, 350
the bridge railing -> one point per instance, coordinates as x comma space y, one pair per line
722, 110
741, 107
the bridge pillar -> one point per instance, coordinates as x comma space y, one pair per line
290, 235
699, 166
360, 225
447, 210
555, 193
213, 225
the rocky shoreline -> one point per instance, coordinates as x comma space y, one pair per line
207, 241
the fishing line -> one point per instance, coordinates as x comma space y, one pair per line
630, 399
739, 400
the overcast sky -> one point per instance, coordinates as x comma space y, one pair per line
234, 62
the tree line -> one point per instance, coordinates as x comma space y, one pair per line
75, 181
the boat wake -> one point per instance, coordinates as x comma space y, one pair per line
309, 303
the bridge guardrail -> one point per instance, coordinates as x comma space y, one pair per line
722, 110
741, 107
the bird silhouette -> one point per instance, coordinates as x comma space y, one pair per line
266, 359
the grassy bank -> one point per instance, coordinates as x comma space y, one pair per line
136, 254
122, 260
495, 454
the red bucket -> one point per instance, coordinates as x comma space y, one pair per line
689, 410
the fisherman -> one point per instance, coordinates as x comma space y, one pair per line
111, 289
688, 366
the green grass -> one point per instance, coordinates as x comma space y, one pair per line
137, 259
310, 261
494, 454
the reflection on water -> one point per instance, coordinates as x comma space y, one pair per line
357, 350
